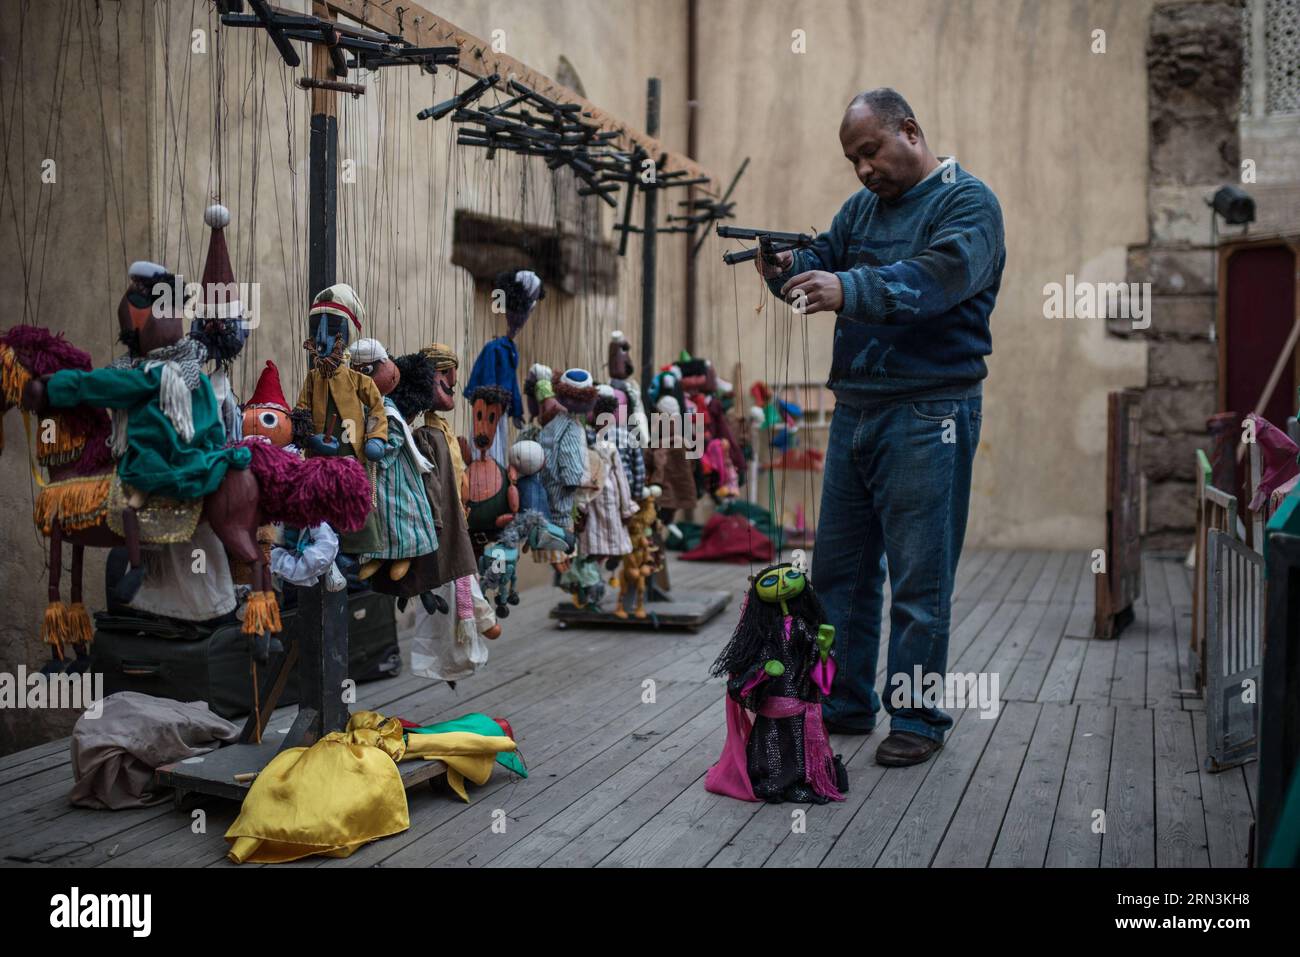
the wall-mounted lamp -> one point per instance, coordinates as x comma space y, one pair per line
1234, 204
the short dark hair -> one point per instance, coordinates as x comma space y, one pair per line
888, 105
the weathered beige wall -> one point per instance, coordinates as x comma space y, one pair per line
1010, 88
130, 112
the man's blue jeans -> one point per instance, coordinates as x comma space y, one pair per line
895, 495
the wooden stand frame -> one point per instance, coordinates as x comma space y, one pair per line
1121, 583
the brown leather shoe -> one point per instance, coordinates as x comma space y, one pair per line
903, 748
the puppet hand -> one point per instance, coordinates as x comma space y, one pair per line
825, 639
374, 449
768, 271
35, 399
774, 668
517, 421
322, 444
814, 291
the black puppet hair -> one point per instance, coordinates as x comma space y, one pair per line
517, 298
303, 427
605, 405
492, 395
694, 367
221, 338
131, 339
761, 622
413, 393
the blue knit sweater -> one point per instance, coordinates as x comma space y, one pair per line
920, 275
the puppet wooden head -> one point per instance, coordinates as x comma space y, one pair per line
335, 313
444, 363
219, 317
489, 403
369, 357
150, 313
521, 290
698, 376
427, 381
775, 592
605, 412
620, 356
266, 414
575, 390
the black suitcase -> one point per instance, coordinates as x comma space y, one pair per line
198, 663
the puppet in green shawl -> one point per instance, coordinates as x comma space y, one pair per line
340, 411
406, 527
167, 436
517, 291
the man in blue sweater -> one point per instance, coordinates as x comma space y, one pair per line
911, 265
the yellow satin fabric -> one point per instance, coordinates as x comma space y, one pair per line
345, 790
466, 755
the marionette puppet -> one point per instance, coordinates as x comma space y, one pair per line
528, 460
609, 421
779, 665
340, 411
488, 487
564, 443
497, 567
641, 563
700, 385
406, 527
539, 391
621, 377
298, 556
611, 502
670, 464
266, 414
167, 435
218, 323
169, 586
517, 292
719, 470
427, 388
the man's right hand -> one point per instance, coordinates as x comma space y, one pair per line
784, 259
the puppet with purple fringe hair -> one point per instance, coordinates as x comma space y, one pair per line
778, 665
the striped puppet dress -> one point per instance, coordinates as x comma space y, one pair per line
405, 518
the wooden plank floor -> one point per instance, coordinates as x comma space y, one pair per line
1093, 759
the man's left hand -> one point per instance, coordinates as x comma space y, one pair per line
817, 291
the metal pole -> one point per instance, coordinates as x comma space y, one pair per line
648, 245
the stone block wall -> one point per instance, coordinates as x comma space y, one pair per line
1194, 64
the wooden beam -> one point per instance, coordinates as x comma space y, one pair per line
424, 28
323, 100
